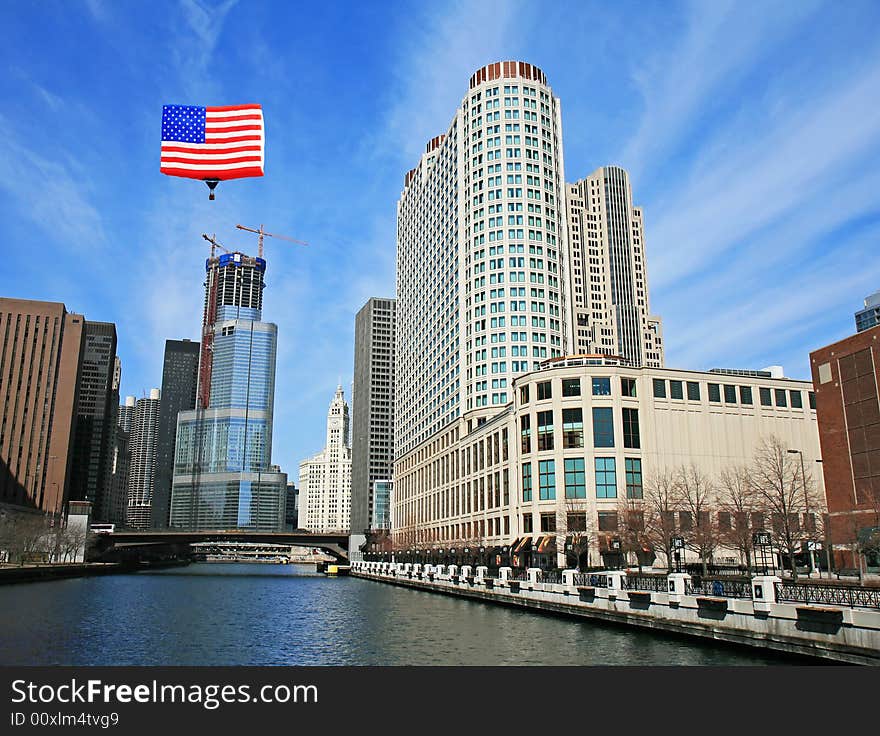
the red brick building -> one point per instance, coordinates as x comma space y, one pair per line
846, 377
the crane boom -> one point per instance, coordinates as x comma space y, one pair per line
212, 239
261, 233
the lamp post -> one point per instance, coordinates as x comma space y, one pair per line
806, 506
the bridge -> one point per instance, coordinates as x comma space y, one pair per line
132, 544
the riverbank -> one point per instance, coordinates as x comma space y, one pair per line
11, 574
850, 635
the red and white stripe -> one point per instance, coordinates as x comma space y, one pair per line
233, 148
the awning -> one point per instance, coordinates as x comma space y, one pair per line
524, 544
547, 544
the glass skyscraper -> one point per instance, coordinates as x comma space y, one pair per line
223, 476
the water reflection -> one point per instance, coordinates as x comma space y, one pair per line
248, 614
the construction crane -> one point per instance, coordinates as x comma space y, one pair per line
212, 239
262, 232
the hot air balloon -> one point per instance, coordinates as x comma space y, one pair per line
212, 144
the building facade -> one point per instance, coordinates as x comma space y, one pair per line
121, 461
95, 417
607, 271
480, 264
223, 472
372, 456
180, 375
846, 375
325, 478
291, 507
582, 436
869, 316
40, 349
143, 438
383, 495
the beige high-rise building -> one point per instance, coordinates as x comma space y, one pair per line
607, 271
480, 253
325, 478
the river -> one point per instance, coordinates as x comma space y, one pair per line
258, 614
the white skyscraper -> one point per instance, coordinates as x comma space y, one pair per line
607, 271
325, 478
142, 463
480, 241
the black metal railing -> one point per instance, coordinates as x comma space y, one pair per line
836, 595
518, 575
590, 579
653, 583
491, 573
551, 576
716, 571
720, 588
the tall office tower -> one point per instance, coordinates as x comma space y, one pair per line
180, 375
607, 271
372, 454
480, 248
95, 420
121, 460
142, 461
108, 500
223, 472
40, 348
325, 478
291, 507
869, 316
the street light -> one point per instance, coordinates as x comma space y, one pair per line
806, 506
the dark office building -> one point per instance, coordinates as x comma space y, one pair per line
372, 454
121, 461
180, 375
94, 418
291, 507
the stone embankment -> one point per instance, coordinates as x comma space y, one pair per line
826, 622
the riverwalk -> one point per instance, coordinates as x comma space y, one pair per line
827, 622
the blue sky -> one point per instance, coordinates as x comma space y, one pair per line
751, 132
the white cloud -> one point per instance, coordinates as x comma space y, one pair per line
748, 183
434, 61
52, 192
724, 39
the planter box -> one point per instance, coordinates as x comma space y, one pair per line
713, 608
489, 583
470, 579
712, 604
819, 620
639, 599
514, 585
586, 594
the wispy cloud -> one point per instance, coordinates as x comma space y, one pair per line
194, 56
51, 192
679, 83
434, 60
744, 184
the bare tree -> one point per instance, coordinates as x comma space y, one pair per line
575, 526
634, 539
696, 494
782, 493
660, 502
737, 501
70, 541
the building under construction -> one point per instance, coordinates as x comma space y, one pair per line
223, 475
